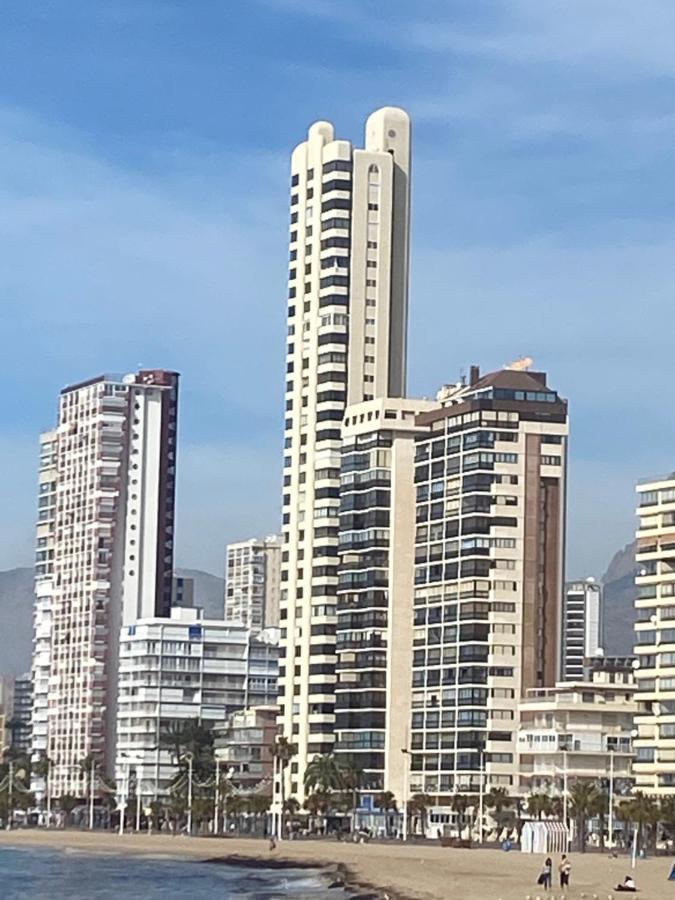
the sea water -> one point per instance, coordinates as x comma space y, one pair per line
30, 874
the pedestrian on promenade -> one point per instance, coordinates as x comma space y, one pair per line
565, 869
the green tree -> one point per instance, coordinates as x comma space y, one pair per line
417, 806
324, 774
387, 803
283, 751
600, 808
539, 805
317, 805
460, 805
583, 800
67, 804
352, 781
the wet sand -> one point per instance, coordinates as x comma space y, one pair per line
418, 872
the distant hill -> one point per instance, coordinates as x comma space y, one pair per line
16, 620
209, 592
16, 612
619, 593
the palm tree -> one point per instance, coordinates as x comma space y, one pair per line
539, 805
352, 781
644, 813
283, 751
460, 804
172, 738
498, 799
667, 813
418, 805
324, 774
318, 804
583, 800
67, 804
387, 803
600, 808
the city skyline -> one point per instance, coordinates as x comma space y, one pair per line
517, 177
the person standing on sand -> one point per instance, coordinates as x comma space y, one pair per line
565, 869
546, 874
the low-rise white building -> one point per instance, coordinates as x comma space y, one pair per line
184, 668
580, 730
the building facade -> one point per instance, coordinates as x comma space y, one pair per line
655, 637
347, 332
490, 486
253, 582
104, 556
183, 591
582, 627
182, 668
375, 590
579, 731
244, 745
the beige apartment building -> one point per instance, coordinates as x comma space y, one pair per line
347, 332
579, 731
375, 590
490, 480
655, 637
253, 582
104, 557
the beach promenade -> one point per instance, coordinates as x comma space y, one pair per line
410, 871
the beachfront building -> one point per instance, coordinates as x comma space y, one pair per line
374, 597
253, 574
578, 730
582, 627
490, 528
104, 557
182, 668
655, 637
346, 343
244, 744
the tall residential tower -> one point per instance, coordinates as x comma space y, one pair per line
252, 572
104, 557
347, 332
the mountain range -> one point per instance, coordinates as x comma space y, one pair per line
16, 612
16, 608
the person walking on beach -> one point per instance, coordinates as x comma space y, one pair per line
546, 874
565, 868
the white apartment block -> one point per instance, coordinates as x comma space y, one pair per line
183, 668
579, 731
375, 591
347, 332
582, 627
253, 582
490, 525
104, 556
655, 637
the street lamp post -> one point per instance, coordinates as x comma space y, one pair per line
216, 810
611, 799
481, 795
190, 760
406, 765
10, 797
123, 798
91, 794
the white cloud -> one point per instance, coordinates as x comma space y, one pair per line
592, 32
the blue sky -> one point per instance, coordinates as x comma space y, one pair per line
144, 152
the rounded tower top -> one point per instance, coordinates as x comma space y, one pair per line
321, 130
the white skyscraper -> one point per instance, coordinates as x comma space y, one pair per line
347, 332
582, 627
104, 556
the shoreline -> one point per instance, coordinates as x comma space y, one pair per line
377, 871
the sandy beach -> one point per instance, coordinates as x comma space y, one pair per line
416, 872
